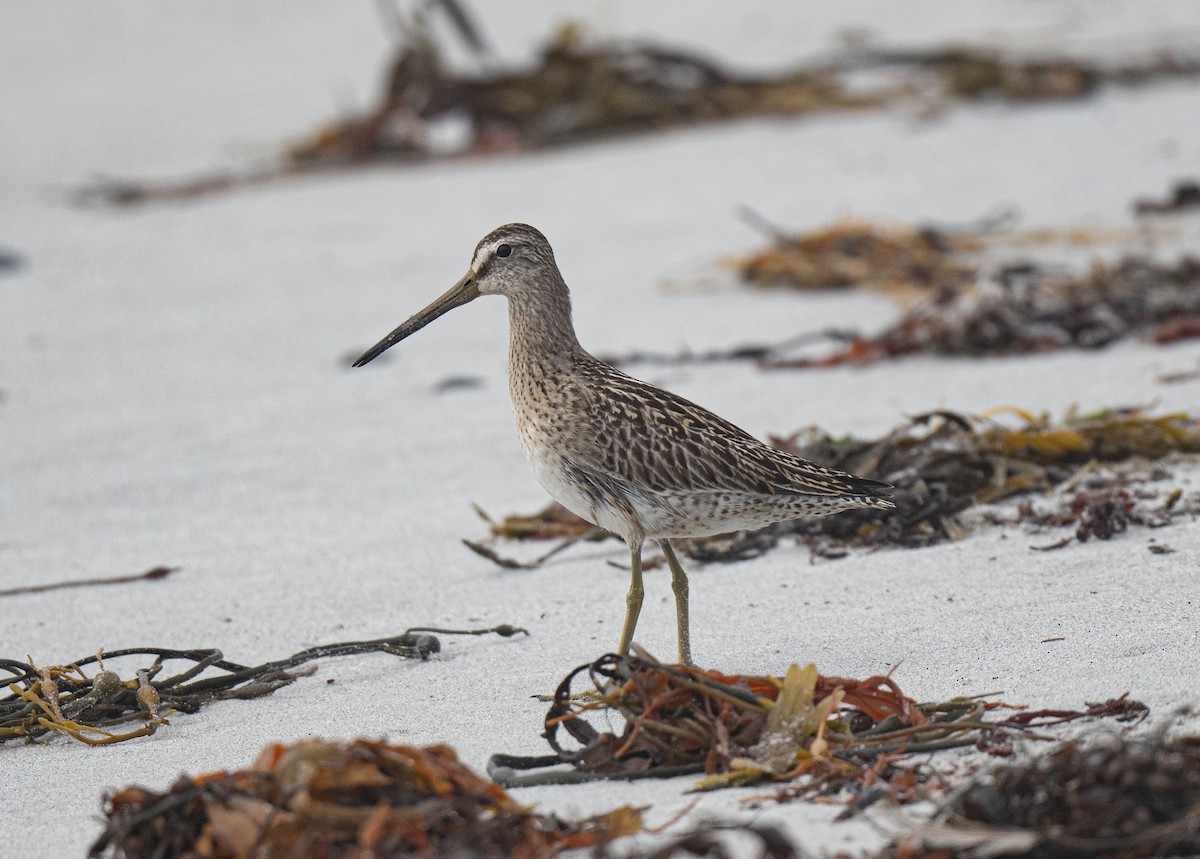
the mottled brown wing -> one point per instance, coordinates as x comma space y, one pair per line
662, 442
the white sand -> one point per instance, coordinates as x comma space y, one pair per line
175, 388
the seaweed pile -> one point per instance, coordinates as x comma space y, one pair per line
817, 736
319, 798
1184, 195
861, 253
1112, 797
1029, 309
909, 258
578, 91
960, 303
1117, 797
63, 699
942, 465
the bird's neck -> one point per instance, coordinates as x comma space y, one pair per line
540, 331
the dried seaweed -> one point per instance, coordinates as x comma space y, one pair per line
63, 699
1117, 797
982, 73
818, 735
943, 464
935, 270
1030, 309
579, 91
1105, 511
553, 522
762, 351
1184, 196
896, 256
576, 91
319, 798
853, 253
151, 575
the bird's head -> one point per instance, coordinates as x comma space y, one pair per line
512, 261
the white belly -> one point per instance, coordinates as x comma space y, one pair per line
547, 468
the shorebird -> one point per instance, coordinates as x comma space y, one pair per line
633, 459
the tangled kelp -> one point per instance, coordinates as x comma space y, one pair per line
63, 699
1103, 512
1183, 196
1029, 309
578, 91
818, 735
319, 798
959, 300
944, 463
1117, 797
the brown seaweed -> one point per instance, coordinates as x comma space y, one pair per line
1115, 797
1031, 309
152, 575
579, 91
865, 254
319, 798
813, 734
64, 699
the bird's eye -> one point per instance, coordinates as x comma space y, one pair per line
504, 251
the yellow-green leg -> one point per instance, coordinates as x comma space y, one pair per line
679, 584
633, 599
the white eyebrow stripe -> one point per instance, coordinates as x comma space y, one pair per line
485, 254
481, 256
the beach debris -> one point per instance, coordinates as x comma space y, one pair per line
754, 351
64, 699
1103, 512
811, 734
888, 256
320, 798
963, 290
1111, 796
152, 575
552, 522
943, 464
1032, 309
578, 90
980, 72
897, 256
1184, 195
958, 298
958, 303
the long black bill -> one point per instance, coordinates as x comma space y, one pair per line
462, 292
